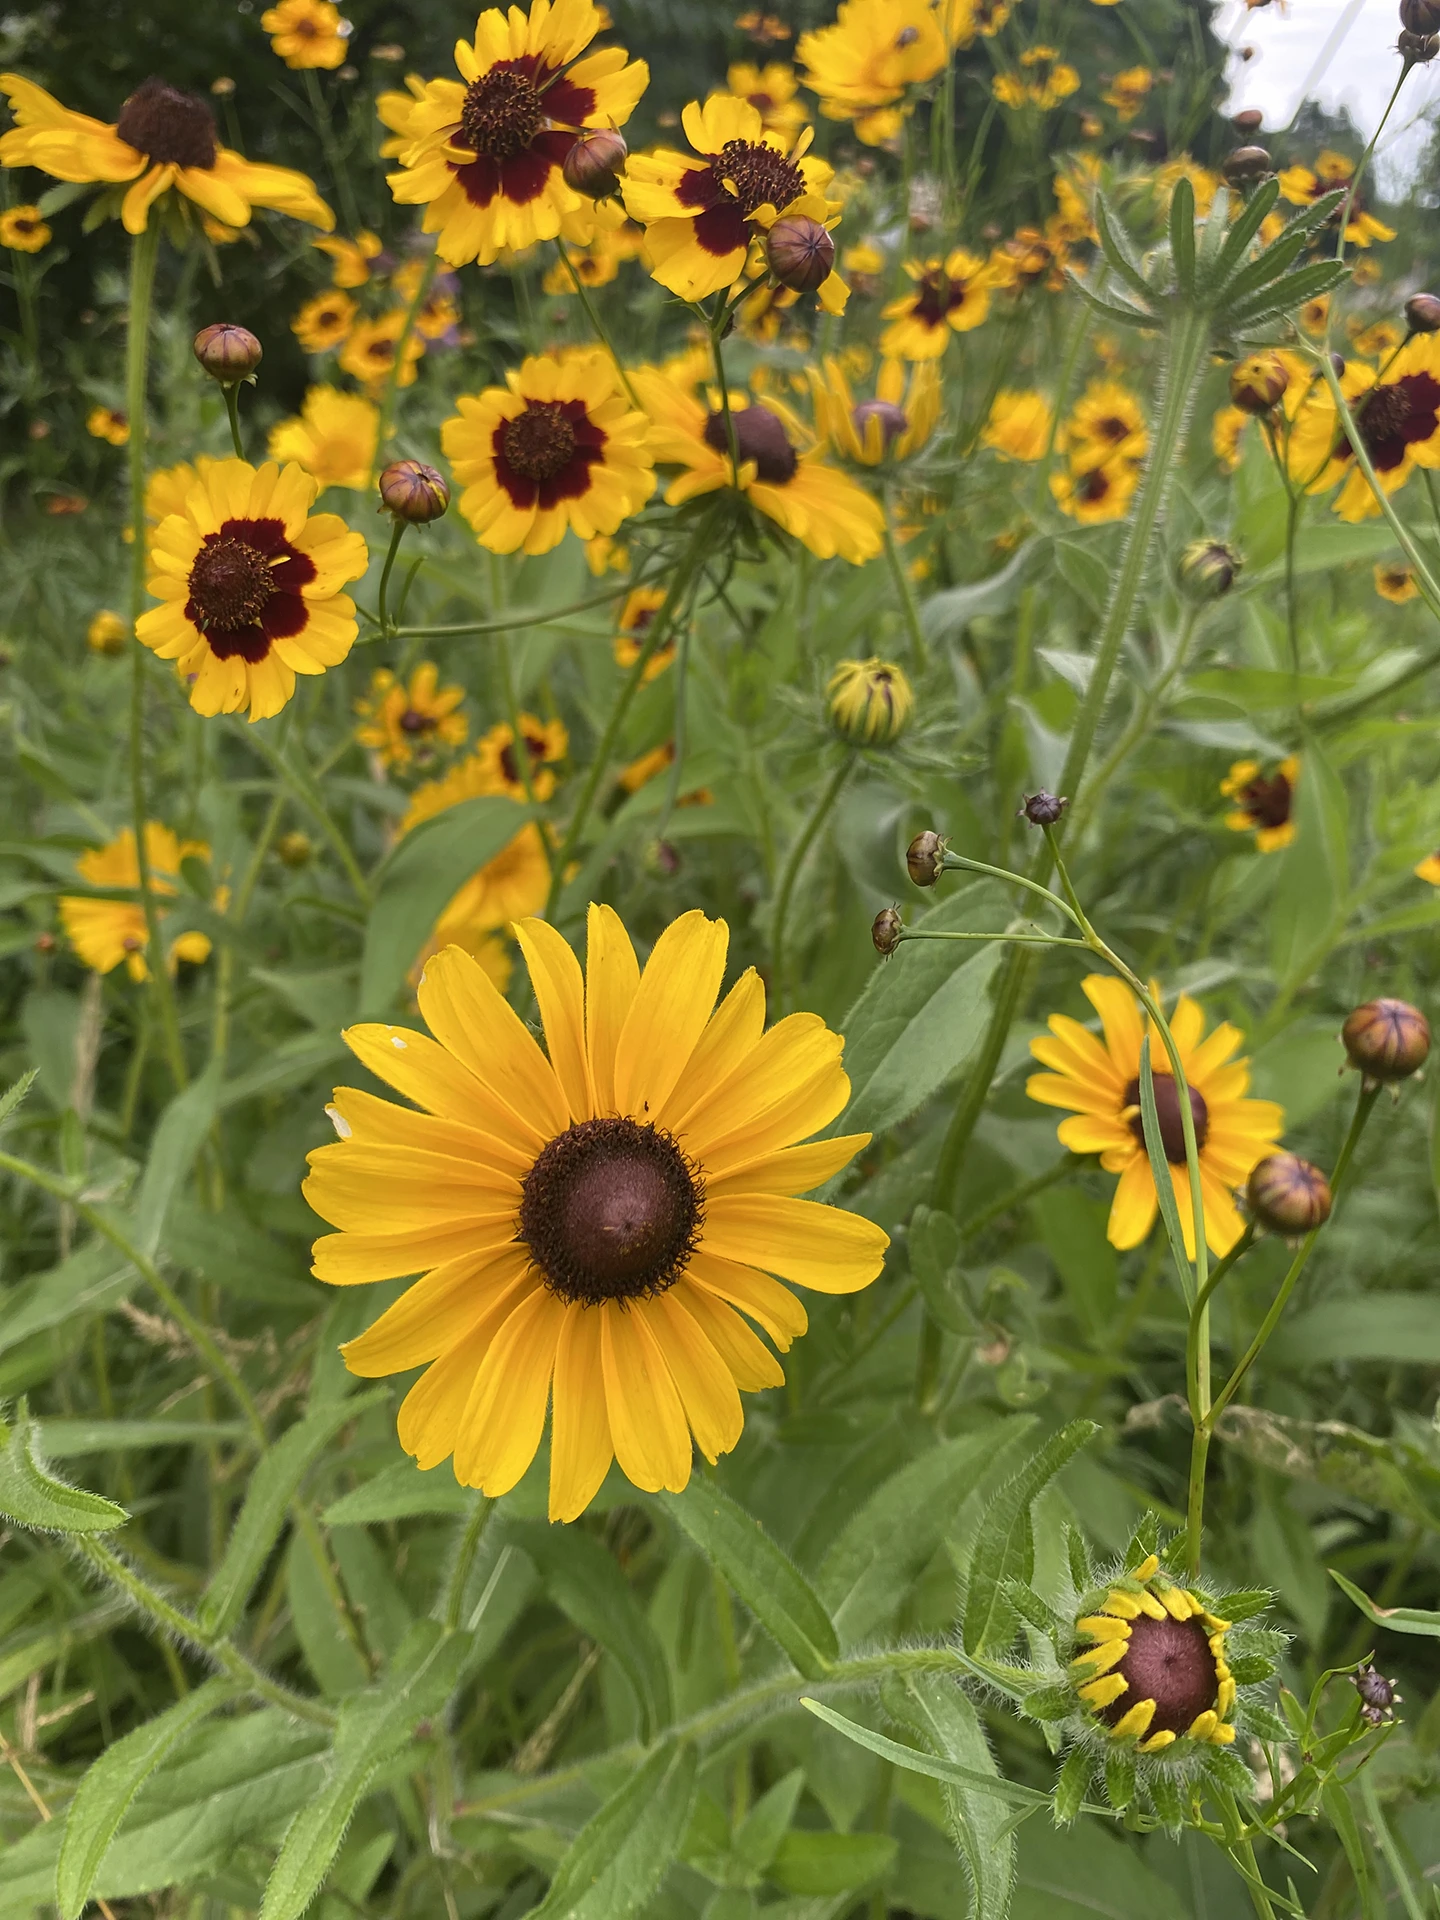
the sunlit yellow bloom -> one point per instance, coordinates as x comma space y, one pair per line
333, 439
1019, 425
106, 424
863, 64
106, 633
1225, 431
1396, 583
1098, 493
951, 296
307, 33
1300, 186
105, 932
1029, 257
894, 425
324, 322
1107, 423
863, 263
369, 350
640, 608
1101, 1087
23, 229
168, 488
351, 257
586, 1219
772, 91
1073, 194
1264, 803
1043, 80
1126, 92
1314, 315
403, 722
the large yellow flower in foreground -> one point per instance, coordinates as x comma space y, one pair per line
105, 932
251, 583
333, 439
862, 64
163, 139
586, 1224
1101, 1086
558, 447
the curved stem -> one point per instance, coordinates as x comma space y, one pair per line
397, 534
464, 1560
804, 841
597, 325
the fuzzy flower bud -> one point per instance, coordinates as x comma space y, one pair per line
594, 164
1208, 569
1041, 809
1387, 1039
1288, 1195
106, 633
800, 253
870, 702
1379, 1696
228, 353
885, 931
924, 857
1246, 165
1257, 382
294, 849
1422, 313
413, 492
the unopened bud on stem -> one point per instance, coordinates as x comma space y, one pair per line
1208, 569
1288, 1195
1387, 1039
228, 353
594, 164
885, 931
924, 858
413, 492
1258, 382
1245, 166
1422, 313
800, 253
1042, 809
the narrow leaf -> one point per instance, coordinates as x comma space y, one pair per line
1291, 292
1005, 1545
1268, 266
12, 1096
620, 1856
1125, 316
1160, 1170
31, 1496
1182, 234
1247, 224
178, 1139
949, 1772
1398, 1619
1116, 246
1341, 1816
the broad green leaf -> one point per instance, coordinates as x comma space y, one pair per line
71, 1439
330, 1653
817, 1863
30, 1496
400, 1492
948, 1772
94, 1278
241, 1258
946, 614
759, 1834
1398, 1619
1005, 1546
621, 1855
178, 1139
104, 1795
769, 1583
1383, 1473
36, 1648
1085, 1873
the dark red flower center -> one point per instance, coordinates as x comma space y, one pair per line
938, 297
503, 112
759, 436
540, 443
230, 583
413, 722
1093, 487
1167, 1111
1395, 416
509, 766
168, 126
757, 175
611, 1210
1170, 1662
1112, 428
245, 588
1267, 799
545, 454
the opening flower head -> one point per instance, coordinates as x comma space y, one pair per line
896, 423
1264, 802
870, 702
1153, 1670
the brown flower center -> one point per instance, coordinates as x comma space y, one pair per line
758, 175
231, 584
759, 436
1267, 800
1170, 1662
540, 443
502, 114
413, 722
1385, 413
168, 126
1167, 1109
510, 767
611, 1210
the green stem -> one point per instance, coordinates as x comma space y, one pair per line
906, 593
397, 534
464, 1560
392, 378
320, 113
1150, 701
1079, 333
804, 842
597, 325
717, 326
231, 391
304, 791
477, 629
1386, 1842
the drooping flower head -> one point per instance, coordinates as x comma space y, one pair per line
951, 296
863, 64
307, 33
105, 932
403, 722
1264, 802
893, 425
333, 438
1154, 1672
483, 154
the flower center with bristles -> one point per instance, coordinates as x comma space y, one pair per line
758, 175
169, 127
1167, 1111
1384, 413
611, 1210
231, 583
540, 443
1170, 1662
759, 436
502, 114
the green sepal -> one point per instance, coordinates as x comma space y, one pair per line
1030, 1607
1250, 1669
1243, 1604
1167, 1798
1072, 1786
1266, 1725
1230, 1771
1049, 1703
1144, 1541
1120, 1778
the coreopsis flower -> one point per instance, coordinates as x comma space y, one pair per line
251, 585
404, 722
863, 65
1100, 1084
23, 229
1264, 802
586, 1218
333, 438
557, 448
106, 633
1395, 582
1154, 1672
307, 33
1302, 185
164, 139
820, 506
895, 424
1127, 91
1106, 423
772, 91
325, 321
483, 154
639, 610
1397, 414
495, 768
1095, 494
870, 702
1019, 425
168, 488
599, 263
1042, 80
105, 932
371, 345
105, 423
701, 211
951, 296
351, 258
963, 20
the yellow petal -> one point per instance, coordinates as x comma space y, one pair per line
1132, 1211
580, 1449
1100, 1659
426, 1073
505, 1414
560, 993
1103, 1626
1119, 1013
647, 1419
612, 975
775, 1308
1134, 1722
672, 1005
429, 1420
1203, 1725
815, 1246
439, 1311
762, 1085
1157, 1742
369, 1121
793, 1170
1099, 1693
467, 1014
357, 1259
1147, 1569
751, 1363
733, 1032
705, 1384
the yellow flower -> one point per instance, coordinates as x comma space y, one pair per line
250, 584
1156, 1670
168, 487
324, 322
817, 504
483, 154
1264, 803
163, 139
640, 608
1377, 341
1314, 315
1126, 92
1225, 431
864, 262
1397, 413
1043, 81
351, 257
863, 64
1395, 583
964, 19
1019, 425
952, 296
333, 439
604, 555
1300, 186
369, 350
558, 448
106, 424
1107, 423
492, 768
106, 633
307, 33
700, 213
766, 28
870, 702
1095, 494
893, 426
402, 721
1204, 184
23, 229
599, 263
1429, 869
1101, 1087
771, 90
105, 932
586, 1219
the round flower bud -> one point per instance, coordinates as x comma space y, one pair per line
1208, 569
594, 164
1422, 313
892, 419
1420, 16
924, 858
1042, 809
800, 253
1250, 121
1379, 1696
870, 702
106, 633
1246, 165
294, 849
885, 931
228, 354
1257, 382
1419, 49
1288, 1195
413, 492
1387, 1039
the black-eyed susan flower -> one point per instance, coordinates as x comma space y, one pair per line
870, 702
333, 438
1127, 92
587, 1219
640, 608
251, 587
164, 139
402, 722
1042, 80
894, 424
483, 154
1097, 493
863, 65
1264, 802
1154, 1671
1396, 582
819, 505
1106, 423
23, 229
951, 296
701, 211
106, 932
370, 348
108, 424
1019, 425
557, 448
773, 92
1100, 1084
350, 258
325, 321
1302, 185
106, 633
307, 33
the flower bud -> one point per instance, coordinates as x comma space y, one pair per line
228, 354
1379, 1696
1245, 166
1387, 1039
106, 633
1288, 1195
1420, 16
1422, 313
1250, 121
1041, 809
294, 849
1257, 382
413, 492
870, 702
1419, 49
885, 931
892, 419
800, 253
924, 858
594, 164
1208, 569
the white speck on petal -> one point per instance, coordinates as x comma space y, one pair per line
339, 1122
397, 1042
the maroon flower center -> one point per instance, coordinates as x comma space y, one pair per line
502, 114
892, 418
611, 1210
759, 436
245, 588
1172, 1130
1112, 428
1395, 416
1093, 487
413, 722
510, 767
1170, 1662
1267, 800
757, 175
230, 583
540, 443
168, 126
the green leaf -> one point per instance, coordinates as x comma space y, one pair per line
1246, 225
1243, 1605
1182, 234
72, 1439
935, 1766
1160, 1171
1313, 883
1398, 1619
373, 1726
814, 1863
12, 1096
1402, 1329
935, 1245
178, 1139
1124, 316
400, 1492
622, 1854
94, 1278
1119, 1778
1072, 1786
1341, 1815
104, 1795
1289, 294
31, 1496
1005, 1544
1116, 245
1169, 1800
766, 1579
418, 880
272, 1488
329, 1650
763, 1828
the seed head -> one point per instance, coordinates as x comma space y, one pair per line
1257, 382
1422, 313
800, 253
1246, 165
413, 492
294, 849
924, 857
594, 164
1288, 1195
1387, 1039
1041, 809
885, 931
228, 353
1208, 569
